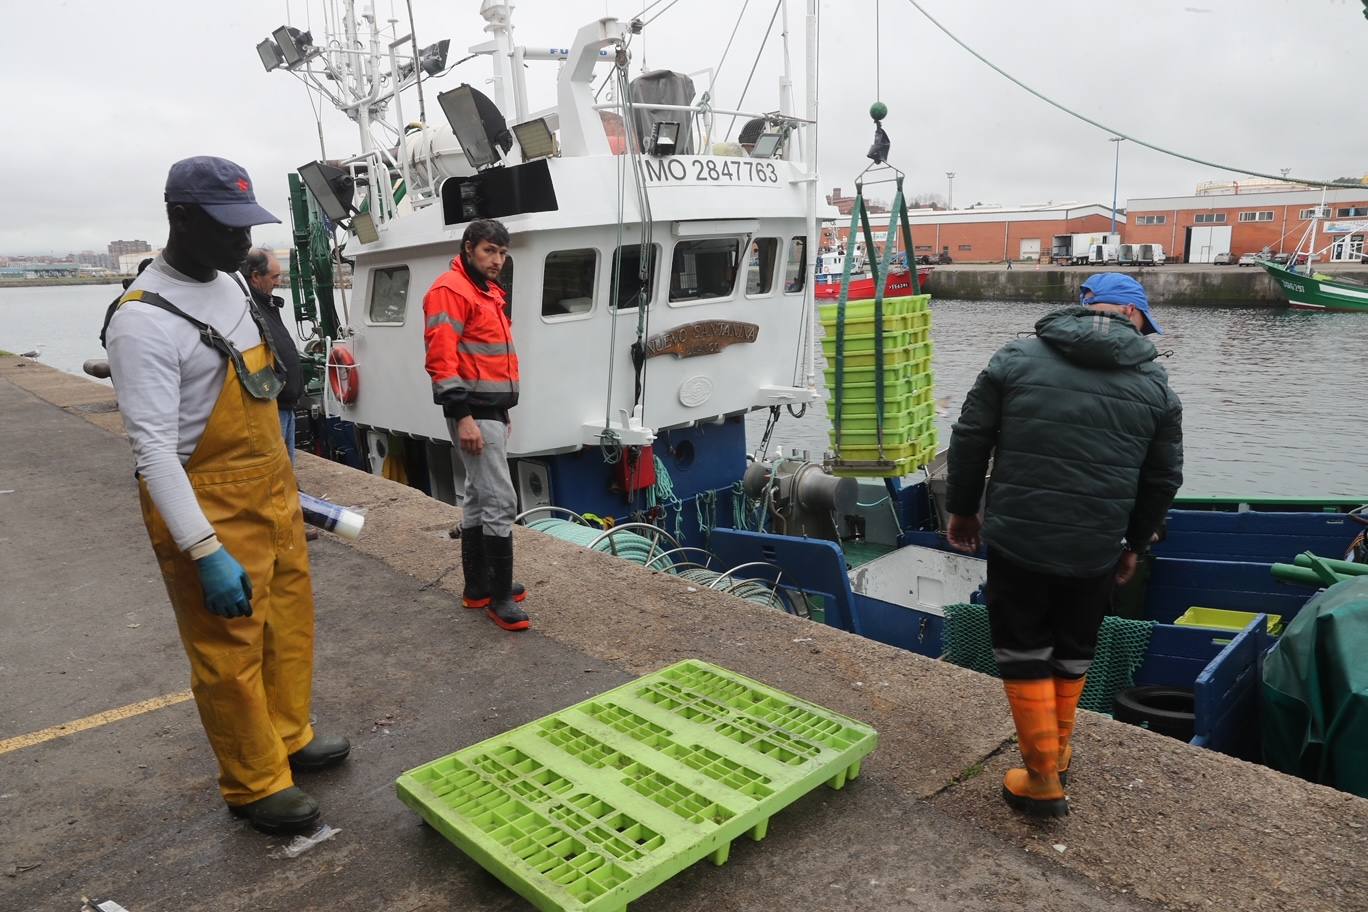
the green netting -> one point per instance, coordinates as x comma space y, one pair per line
1121, 648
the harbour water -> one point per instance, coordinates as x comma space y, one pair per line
1272, 398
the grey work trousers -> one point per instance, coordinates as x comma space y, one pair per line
490, 500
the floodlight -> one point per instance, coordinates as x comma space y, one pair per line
363, 226
331, 187
750, 132
766, 145
535, 139
664, 137
462, 109
295, 45
270, 55
433, 57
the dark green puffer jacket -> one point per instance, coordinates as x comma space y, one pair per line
1087, 442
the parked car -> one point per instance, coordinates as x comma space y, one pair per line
1248, 259
1281, 258
1223, 259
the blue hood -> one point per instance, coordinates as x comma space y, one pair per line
1118, 288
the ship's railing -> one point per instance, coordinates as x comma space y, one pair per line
702, 117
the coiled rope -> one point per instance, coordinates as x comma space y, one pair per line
626, 544
645, 551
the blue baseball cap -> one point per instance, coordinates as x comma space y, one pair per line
219, 187
1117, 288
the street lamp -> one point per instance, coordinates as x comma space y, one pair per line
950, 193
1116, 174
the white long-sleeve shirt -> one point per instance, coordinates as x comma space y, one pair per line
168, 382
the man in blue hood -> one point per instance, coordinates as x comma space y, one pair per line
1086, 444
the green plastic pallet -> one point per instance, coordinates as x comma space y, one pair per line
593, 806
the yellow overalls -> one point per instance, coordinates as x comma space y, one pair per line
251, 677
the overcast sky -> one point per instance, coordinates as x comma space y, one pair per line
101, 97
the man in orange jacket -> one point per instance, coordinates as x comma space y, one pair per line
474, 372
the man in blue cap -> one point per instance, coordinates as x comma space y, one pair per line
192, 360
1086, 443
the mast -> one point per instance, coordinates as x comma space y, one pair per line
1311, 242
809, 148
508, 92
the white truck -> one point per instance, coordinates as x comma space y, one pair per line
1149, 254
1103, 254
1077, 249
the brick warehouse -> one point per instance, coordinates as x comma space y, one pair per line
989, 235
1194, 229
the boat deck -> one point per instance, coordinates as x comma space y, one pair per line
123, 805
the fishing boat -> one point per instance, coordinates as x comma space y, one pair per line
862, 288
662, 288
1317, 291
1306, 289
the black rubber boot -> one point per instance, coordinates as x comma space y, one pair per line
475, 567
289, 811
320, 753
502, 609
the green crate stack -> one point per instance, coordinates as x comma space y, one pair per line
909, 430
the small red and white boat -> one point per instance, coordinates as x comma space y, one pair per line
862, 287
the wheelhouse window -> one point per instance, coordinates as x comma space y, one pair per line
795, 270
506, 282
764, 256
388, 295
568, 285
630, 291
704, 269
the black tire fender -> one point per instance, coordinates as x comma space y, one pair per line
1164, 710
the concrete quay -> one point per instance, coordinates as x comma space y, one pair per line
1193, 284
107, 782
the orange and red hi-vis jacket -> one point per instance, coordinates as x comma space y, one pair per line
469, 340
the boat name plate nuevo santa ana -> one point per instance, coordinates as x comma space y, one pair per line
705, 337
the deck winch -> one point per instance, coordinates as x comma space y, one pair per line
801, 498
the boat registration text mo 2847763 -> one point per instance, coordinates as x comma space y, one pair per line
689, 170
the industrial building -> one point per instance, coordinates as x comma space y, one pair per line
1244, 218
994, 234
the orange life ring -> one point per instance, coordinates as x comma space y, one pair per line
343, 377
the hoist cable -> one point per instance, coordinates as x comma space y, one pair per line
1112, 130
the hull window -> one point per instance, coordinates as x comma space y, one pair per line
795, 274
389, 295
764, 255
630, 291
568, 287
704, 269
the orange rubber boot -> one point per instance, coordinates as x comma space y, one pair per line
1035, 790
1067, 692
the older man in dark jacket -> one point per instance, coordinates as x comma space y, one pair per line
1087, 446
262, 272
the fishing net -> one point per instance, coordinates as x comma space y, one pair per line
1121, 648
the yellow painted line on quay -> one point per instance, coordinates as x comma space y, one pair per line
95, 721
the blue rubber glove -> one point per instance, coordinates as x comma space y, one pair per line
227, 588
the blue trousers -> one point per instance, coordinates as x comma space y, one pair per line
287, 430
